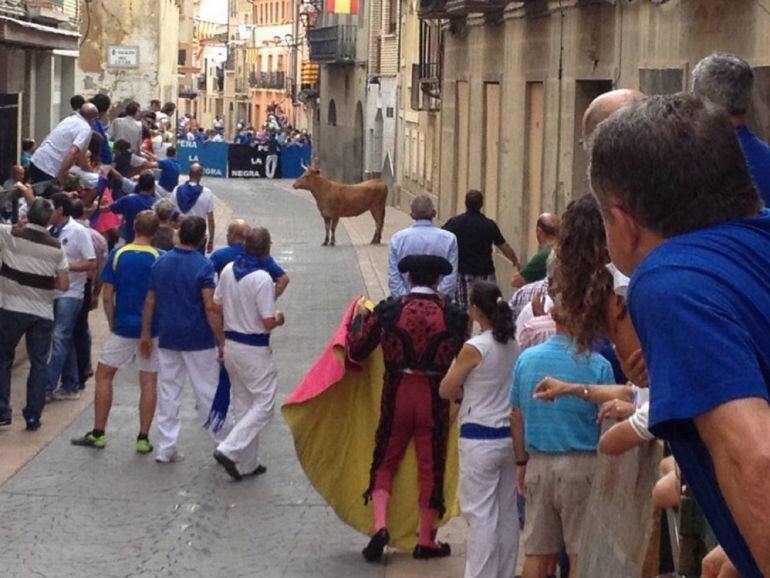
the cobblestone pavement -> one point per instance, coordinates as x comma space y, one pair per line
81, 512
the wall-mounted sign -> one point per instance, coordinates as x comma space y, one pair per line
122, 56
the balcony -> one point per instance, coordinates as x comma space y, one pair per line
442, 9
268, 80
433, 9
188, 91
202, 82
333, 44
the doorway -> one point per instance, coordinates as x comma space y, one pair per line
533, 190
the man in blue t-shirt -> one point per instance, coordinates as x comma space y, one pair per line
126, 277
685, 220
236, 235
728, 81
131, 205
190, 334
551, 440
169, 172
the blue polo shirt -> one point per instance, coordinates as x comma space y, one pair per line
700, 303
130, 206
221, 258
177, 279
106, 152
128, 270
169, 174
567, 424
757, 154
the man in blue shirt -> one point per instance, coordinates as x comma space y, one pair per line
190, 334
169, 172
102, 102
131, 205
422, 238
555, 446
236, 236
685, 220
728, 81
126, 277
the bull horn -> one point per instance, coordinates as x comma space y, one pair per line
302, 164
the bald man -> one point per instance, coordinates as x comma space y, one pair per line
603, 106
62, 147
192, 198
546, 229
237, 230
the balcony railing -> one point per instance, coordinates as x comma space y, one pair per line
333, 44
268, 80
440, 9
64, 13
201, 82
188, 91
433, 9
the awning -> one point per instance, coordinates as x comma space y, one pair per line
32, 35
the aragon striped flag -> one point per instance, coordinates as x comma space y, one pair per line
342, 6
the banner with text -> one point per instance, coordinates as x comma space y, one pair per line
246, 161
211, 155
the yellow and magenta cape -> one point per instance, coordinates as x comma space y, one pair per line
333, 415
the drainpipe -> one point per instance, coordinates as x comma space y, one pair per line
557, 200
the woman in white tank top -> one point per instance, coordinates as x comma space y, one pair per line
481, 376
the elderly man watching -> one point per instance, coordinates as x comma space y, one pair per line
546, 229
728, 81
237, 231
422, 238
694, 237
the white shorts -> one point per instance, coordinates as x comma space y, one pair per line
120, 351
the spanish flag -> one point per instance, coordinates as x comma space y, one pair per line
342, 6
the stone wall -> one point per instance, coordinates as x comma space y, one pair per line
153, 26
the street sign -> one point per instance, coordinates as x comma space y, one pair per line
122, 56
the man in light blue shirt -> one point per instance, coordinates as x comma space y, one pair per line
555, 446
422, 238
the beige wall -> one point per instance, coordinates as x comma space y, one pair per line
564, 53
153, 25
419, 138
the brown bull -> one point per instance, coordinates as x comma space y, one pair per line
336, 200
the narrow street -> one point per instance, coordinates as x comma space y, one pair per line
78, 512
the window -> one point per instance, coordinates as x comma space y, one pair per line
280, 62
392, 16
270, 63
332, 118
182, 58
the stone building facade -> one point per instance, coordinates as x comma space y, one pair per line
517, 77
130, 50
38, 58
339, 43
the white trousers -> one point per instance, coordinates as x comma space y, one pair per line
174, 368
488, 503
253, 383
271, 166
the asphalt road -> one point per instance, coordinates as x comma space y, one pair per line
80, 512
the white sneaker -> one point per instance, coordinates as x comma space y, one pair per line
63, 395
177, 456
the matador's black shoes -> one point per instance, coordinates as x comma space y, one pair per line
373, 550
426, 552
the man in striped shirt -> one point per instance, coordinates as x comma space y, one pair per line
33, 266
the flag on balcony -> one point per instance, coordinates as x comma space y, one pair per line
342, 6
